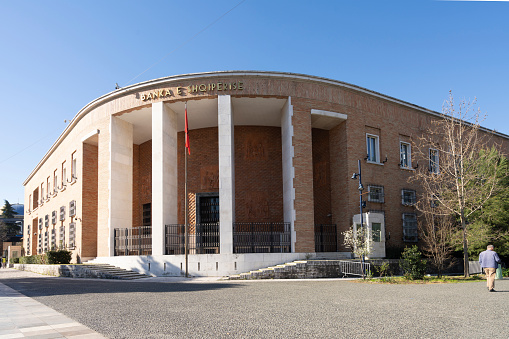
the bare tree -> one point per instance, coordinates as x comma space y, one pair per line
436, 231
462, 172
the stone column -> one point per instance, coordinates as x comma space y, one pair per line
288, 169
121, 178
164, 173
226, 173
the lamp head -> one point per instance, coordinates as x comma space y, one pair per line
354, 176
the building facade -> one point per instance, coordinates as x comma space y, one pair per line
268, 177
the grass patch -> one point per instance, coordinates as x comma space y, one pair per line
426, 280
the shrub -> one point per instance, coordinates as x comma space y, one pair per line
412, 264
34, 259
14, 260
59, 257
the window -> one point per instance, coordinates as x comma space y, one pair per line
35, 202
42, 193
405, 155
62, 213
53, 239
147, 214
372, 148
48, 192
55, 181
376, 229
376, 193
72, 208
29, 202
73, 167
46, 220
45, 241
433, 161
64, 174
40, 223
61, 238
54, 217
409, 227
72, 235
408, 197
39, 244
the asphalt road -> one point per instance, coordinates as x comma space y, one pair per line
274, 309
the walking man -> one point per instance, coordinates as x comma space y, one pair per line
489, 260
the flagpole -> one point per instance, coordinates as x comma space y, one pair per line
186, 250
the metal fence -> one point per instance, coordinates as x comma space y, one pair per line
133, 241
256, 237
354, 268
326, 238
202, 239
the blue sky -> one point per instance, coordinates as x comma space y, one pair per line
57, 56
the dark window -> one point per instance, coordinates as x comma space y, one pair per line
209, 209
147, 214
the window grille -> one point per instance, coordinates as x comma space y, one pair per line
39, 245
53, 239
408, 197
54, 217
28, 230
61, 238
62, 213
409, 227
46, 220
72, 208
28, 245
40, 223
72, 235
376, 193
45, 241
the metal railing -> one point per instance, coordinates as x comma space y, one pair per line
256, 237
133, 241
202, 239
355, 268
326, 238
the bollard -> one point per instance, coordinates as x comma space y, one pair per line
498, 274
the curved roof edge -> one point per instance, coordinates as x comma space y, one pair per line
138, 86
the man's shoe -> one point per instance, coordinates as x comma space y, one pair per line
492, 290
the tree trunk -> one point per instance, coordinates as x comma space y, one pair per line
465, 245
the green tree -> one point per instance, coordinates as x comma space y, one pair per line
412, 264
8, 211
3, 231
490, 224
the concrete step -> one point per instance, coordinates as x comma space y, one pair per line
112, 272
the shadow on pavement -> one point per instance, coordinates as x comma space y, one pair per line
36, 287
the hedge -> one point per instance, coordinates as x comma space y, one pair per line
59, 257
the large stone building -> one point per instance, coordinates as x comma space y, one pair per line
269, 174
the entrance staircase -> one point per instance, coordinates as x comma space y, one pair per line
105, 271
299, 269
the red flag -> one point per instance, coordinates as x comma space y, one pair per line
187, 135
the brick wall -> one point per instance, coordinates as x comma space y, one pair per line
321, 176
258, 174
142, 180
89, 201
202, 166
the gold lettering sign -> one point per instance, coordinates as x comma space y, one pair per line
192, 89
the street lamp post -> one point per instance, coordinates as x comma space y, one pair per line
361, 206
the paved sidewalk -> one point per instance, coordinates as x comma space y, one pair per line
24, 317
